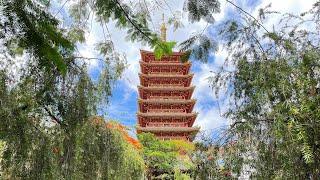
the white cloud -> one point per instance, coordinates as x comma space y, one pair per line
286, 6
210, 119
210, 116
292, 6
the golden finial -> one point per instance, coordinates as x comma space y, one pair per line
163, 30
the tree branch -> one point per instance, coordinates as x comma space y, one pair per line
53, 116
60, 8
242, 122
145, 4
248, 14
130, 20
259, 44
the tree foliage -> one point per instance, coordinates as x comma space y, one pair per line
165, 158
274, 92
200, 45
85, 149
26, 25
209, 162
203, 9
49, 97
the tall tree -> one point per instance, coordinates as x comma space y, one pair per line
49, 97
274, 93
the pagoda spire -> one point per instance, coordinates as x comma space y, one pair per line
163, 30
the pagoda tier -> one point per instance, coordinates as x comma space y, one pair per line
148, 80
174, 119
167, 129
165, 68
187, 133
148, 56
165, 104
168, 92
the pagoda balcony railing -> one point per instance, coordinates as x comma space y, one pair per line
168, 114
167, 110
165, 85
166, 97
164, 61
167, 73
169, 87
168, 129
167, 125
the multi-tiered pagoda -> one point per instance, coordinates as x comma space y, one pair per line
165, 104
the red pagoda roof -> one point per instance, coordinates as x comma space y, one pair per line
148, 56
166, 117
165, 79
167, 88
165, 92
168, 101
193, 114
168, 68
168, 129
161, 63
167, 75
165, 104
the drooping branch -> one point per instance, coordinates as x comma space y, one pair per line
258, 42
88, 58
147, 9
242, 122
60, 8
131, 22
248, 14
53, 116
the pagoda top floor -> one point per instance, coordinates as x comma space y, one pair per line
165, 68
148, 56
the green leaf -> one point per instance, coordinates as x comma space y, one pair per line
289, 45
185, 57
76, 35
163, 48
307, 154
273, 36
233, 26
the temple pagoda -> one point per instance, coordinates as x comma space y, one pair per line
165, 103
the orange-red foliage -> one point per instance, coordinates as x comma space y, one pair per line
98, 121
55, 150
122, 129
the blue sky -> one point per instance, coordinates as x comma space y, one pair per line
123, 103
